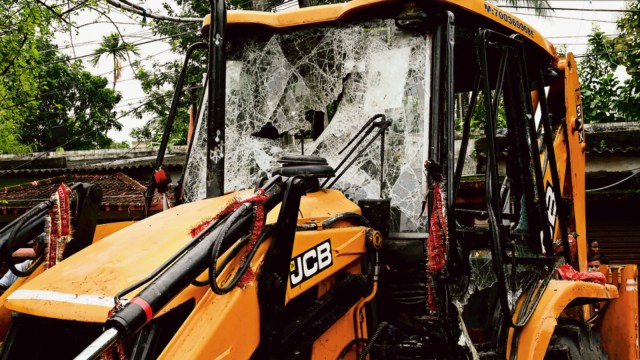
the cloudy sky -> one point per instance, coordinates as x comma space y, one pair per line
569, 25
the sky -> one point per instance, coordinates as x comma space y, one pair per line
562, 27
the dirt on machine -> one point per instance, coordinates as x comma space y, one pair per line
324, 210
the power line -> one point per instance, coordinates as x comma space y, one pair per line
606, 52
139, 10
570, 18
567, 9
577, 36
60, 91
94, 42
139, 43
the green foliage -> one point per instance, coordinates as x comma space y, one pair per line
73, 104
22, 27
606, 98
119, 145
158, 82
45, 99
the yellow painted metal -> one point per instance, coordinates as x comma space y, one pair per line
347, 245
222, 327
535, 336
104, 230
577, 148
619, 324
339, 12
128, 255
114, 263
229, 326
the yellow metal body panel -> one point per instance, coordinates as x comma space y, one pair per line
222, 327
347, 245
619, 324
128, 255
104, 230
535, 336
228, 326
577, 148
83, 286
338, 12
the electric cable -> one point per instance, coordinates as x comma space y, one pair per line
634, 172
567, 9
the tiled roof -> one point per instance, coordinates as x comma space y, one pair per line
613, 138
55, 163
120, 192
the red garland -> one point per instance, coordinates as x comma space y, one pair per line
438, 236
258, 198
59, 229
567, 272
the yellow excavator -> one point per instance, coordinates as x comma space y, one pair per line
323, 212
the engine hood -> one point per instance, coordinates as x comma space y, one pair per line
82, 287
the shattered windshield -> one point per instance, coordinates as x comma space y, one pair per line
326, 83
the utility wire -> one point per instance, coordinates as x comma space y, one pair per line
570, 18
71, 59
139, 10
138, 43
577, 36
567, 9
634, 172
43, 95
606, 52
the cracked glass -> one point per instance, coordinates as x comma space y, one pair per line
326, 83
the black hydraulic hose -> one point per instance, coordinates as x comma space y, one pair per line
383, 325
214, 250
243, 266
231, 253
36, 219
36, 216
169, 261
140, 310
346, 216
268, 184
348, 347
330, 222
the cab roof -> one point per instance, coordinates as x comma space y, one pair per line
339, 12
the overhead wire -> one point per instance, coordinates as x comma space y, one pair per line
566, 9
71, 59
569, 18
634, 172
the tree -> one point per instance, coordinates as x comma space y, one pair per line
606, 98
119, 52
600, 88
158, 82
23, 25
46, 100
74, 107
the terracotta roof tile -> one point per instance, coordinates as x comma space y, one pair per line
119, 191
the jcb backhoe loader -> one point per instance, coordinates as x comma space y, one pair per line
355, 239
